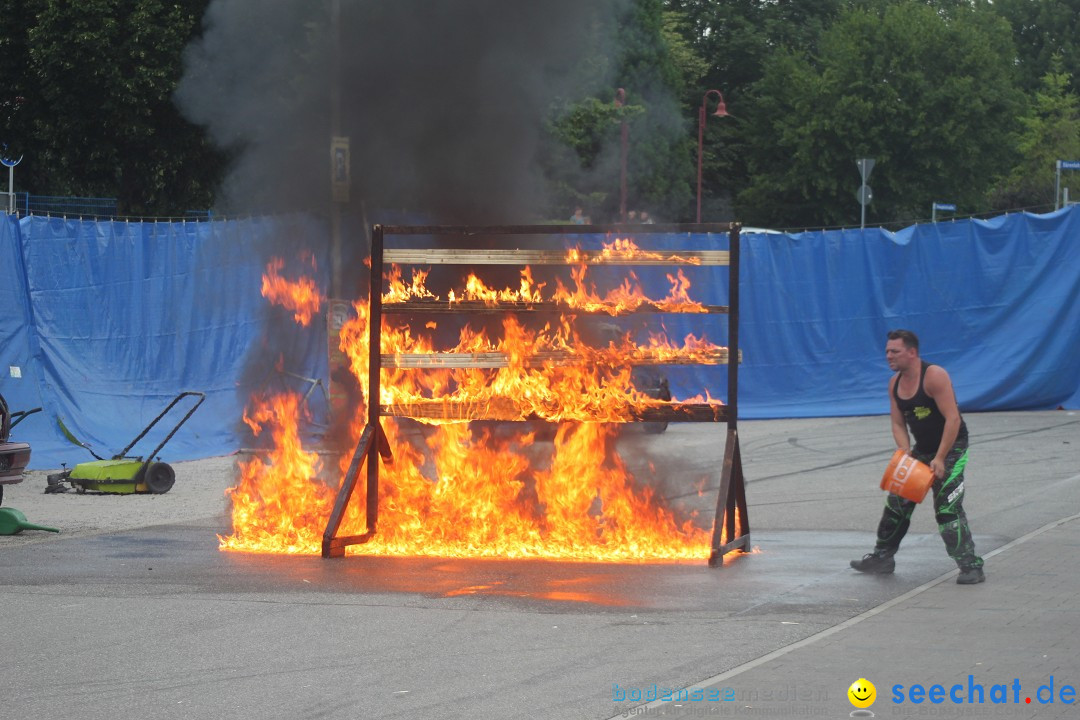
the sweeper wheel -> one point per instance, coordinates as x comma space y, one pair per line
160, 477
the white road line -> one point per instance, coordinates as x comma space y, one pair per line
716, 679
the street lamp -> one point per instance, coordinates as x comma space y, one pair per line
10, 164
620, 101
721, 111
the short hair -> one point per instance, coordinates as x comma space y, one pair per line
911, 340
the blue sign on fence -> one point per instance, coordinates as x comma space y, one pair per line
945, 206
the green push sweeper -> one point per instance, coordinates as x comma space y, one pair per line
123, 474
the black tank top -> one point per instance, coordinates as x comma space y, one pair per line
923, 417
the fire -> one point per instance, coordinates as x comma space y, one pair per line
626, 249
548, 373
275, 505
459, 490
301, 296
582, 296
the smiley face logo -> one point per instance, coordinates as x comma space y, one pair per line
862, 693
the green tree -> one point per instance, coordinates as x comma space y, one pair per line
736, 37
1043, 29
655, 65
577, 156
1051, 132
15, 83
97, 79
929, 94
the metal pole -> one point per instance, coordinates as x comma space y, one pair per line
933, 212
721, 111
700, 142
11, 189
1057, 184
733, 327
335, 131
374, 372
862, 215
620, 101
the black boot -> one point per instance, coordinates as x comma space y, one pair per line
970, 576
875, 562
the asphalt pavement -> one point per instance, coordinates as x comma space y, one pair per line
157, 622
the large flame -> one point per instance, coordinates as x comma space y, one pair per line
455, 489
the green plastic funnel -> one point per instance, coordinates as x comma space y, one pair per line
13, 521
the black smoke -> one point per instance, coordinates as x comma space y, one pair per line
443, 100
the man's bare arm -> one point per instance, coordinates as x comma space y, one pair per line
899, 427
938, 385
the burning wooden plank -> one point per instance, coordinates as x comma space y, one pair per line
482, 307
507, 409
563, 358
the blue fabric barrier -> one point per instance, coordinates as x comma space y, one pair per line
19, 379
128, 315
107, 321
996, 302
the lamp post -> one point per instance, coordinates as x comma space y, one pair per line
620, 101
339, 153
10, 164
721, 111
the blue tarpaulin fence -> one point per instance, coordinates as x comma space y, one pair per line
108, 321
102, 323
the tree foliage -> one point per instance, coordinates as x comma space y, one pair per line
930, 97
97, 118
1043, 30
1050, 132
654, 64
965, 101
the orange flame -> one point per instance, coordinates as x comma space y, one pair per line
627, 297
302, 296
456, 490
625, 248
276, 505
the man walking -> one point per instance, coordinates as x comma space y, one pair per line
922, 400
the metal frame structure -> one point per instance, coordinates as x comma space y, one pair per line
731, 519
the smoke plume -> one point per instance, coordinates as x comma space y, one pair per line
443, 100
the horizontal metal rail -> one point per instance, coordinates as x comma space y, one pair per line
457, 256
549, 230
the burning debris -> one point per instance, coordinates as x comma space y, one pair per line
301, 296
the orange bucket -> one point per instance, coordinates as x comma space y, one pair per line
907, 477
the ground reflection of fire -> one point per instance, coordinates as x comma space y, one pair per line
460, 490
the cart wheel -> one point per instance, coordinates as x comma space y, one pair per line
160, 477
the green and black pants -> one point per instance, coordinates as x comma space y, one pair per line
948, 495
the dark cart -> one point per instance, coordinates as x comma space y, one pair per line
14, 456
